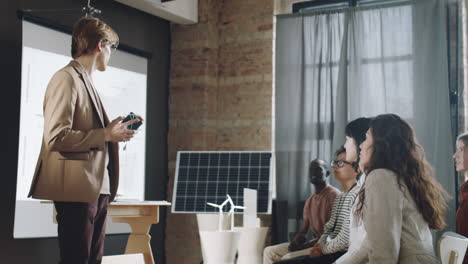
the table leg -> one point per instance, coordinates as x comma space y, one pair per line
139, 239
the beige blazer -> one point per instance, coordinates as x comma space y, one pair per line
395, 230
72, 160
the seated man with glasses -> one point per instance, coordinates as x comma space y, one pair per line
335, 239
317, 211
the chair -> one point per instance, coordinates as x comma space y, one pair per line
124, 259
279, 227
452, 248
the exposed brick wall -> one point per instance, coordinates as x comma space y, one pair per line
220, 95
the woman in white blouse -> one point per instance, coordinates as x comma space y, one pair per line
401, 200
355, 134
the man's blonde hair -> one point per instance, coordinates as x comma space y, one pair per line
87, 33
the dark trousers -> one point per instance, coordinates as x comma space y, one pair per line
82, 230
324, 259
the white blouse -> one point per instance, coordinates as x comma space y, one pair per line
357, 233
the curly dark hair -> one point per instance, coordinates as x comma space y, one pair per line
340, 150
395, 148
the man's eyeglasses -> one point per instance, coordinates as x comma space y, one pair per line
340, 163
113, 46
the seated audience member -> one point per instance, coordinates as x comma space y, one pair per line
316, 213
400, 200
355, 134
461, 160
334, 241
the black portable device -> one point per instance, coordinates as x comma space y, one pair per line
133, 126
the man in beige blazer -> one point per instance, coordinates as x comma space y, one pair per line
78, 166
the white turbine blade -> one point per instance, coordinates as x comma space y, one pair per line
230, 200
225, 202
214, 205
239, 207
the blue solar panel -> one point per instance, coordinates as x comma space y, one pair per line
207, 176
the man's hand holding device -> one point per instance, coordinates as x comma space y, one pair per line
123, 129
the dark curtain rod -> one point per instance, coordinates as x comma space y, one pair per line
341, 5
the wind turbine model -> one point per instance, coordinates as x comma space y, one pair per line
231, 211
220, 207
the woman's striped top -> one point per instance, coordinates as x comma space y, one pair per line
335, 237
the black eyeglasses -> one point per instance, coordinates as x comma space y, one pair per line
113, 46
339, 163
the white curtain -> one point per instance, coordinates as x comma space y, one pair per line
334, 67
307, 65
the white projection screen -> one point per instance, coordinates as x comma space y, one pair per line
122, 88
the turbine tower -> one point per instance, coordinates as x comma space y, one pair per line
220, 207
231, 211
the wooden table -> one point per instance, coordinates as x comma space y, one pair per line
140, 216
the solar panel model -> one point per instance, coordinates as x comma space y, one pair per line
208, 176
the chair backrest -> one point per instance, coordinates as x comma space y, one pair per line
124, 259
452, 248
